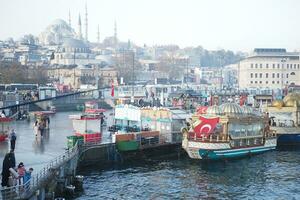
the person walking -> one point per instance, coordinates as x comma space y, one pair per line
13, 138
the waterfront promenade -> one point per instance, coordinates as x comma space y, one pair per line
36, 153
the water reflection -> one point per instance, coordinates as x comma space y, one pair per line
38, 145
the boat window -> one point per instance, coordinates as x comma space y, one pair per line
244, 130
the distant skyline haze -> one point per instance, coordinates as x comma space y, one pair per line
238, 25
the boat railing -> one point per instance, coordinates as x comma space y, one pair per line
211, 138
271, 133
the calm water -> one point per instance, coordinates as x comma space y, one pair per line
273, 175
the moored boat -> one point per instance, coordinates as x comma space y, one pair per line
88, 125
139, 128
285, 119
228, 131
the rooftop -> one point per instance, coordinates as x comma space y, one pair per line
273, 52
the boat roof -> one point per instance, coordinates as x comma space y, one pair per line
5, 119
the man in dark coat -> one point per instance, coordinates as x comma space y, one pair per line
8, 162
13, 138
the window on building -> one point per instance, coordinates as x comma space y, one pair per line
260, 65
255, 82
298, 66
295, 66
277, 75
287, 66
278, 66
260, 75
277, 82
267, 65
273, 75
267, 75
266, 82
255, 75
251, 65
251, 82
273, 82
273, 66
260, 82
251, 75
287, 75
256, 65
293, 73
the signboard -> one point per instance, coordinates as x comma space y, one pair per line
127, 112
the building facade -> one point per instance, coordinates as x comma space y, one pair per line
269, 68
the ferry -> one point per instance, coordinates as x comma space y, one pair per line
146, 127
227, 131
285, 119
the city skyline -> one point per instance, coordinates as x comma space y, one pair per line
236, 25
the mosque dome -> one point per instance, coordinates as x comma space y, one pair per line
214, 110
292, 98
74, 43
71, 45
231, 109
277, 103
56, 32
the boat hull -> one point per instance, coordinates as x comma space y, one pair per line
289, 139
227, 152
127, 145
288, 136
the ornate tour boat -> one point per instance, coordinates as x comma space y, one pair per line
228, 131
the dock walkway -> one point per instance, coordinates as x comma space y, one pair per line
39, 180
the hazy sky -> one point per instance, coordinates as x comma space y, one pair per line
214, 24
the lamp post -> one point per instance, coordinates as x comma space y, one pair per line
132, 82
282, 70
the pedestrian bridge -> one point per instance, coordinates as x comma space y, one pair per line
56, 170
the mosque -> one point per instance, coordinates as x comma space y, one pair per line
71, 48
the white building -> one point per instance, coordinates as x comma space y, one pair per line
269, 68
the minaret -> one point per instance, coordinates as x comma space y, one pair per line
98, 35
115, 34
70, 18
79, 28
86, 23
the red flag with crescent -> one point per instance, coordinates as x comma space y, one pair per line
205, 126
112, 89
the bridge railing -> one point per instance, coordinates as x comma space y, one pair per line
25, 190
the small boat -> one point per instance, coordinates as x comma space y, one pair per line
4, 128
228, 131
88, 125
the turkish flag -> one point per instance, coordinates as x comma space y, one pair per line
243, 99
201, 109
205, 126
112, 89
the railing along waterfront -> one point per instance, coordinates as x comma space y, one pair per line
25, 190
